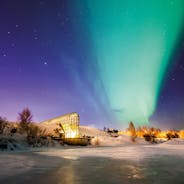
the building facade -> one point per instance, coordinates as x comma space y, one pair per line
69, 123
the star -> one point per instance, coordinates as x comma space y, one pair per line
41, 2
58, 14
67, 19
20, 70
82, 110
182, 67
45, 63
81, 12
13, 45
62, 23
35, 30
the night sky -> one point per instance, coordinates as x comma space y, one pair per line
112, 61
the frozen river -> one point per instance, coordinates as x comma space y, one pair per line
139, 164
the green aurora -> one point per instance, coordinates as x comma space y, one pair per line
133, 42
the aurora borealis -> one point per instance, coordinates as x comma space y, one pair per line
110, 61
133, 50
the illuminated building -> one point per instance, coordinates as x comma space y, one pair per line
68, 122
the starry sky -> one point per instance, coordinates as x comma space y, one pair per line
110, 61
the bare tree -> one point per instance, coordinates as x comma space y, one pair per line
3, 124
25, 118
132, 131
36, 136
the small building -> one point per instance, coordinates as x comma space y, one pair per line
69, 123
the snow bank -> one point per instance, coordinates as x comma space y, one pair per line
15, 143
91, 131
175, 141
102, 138
116, 141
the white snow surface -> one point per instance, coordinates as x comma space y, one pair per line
19, 162
14, 164
120, 148
134, 152
104, 139
91, 131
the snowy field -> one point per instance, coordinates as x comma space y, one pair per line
127, 164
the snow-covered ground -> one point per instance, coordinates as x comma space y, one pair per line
113, 160
128, 163
131, 151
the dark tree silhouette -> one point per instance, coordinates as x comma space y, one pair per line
3, 124
132, 131
25, 118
